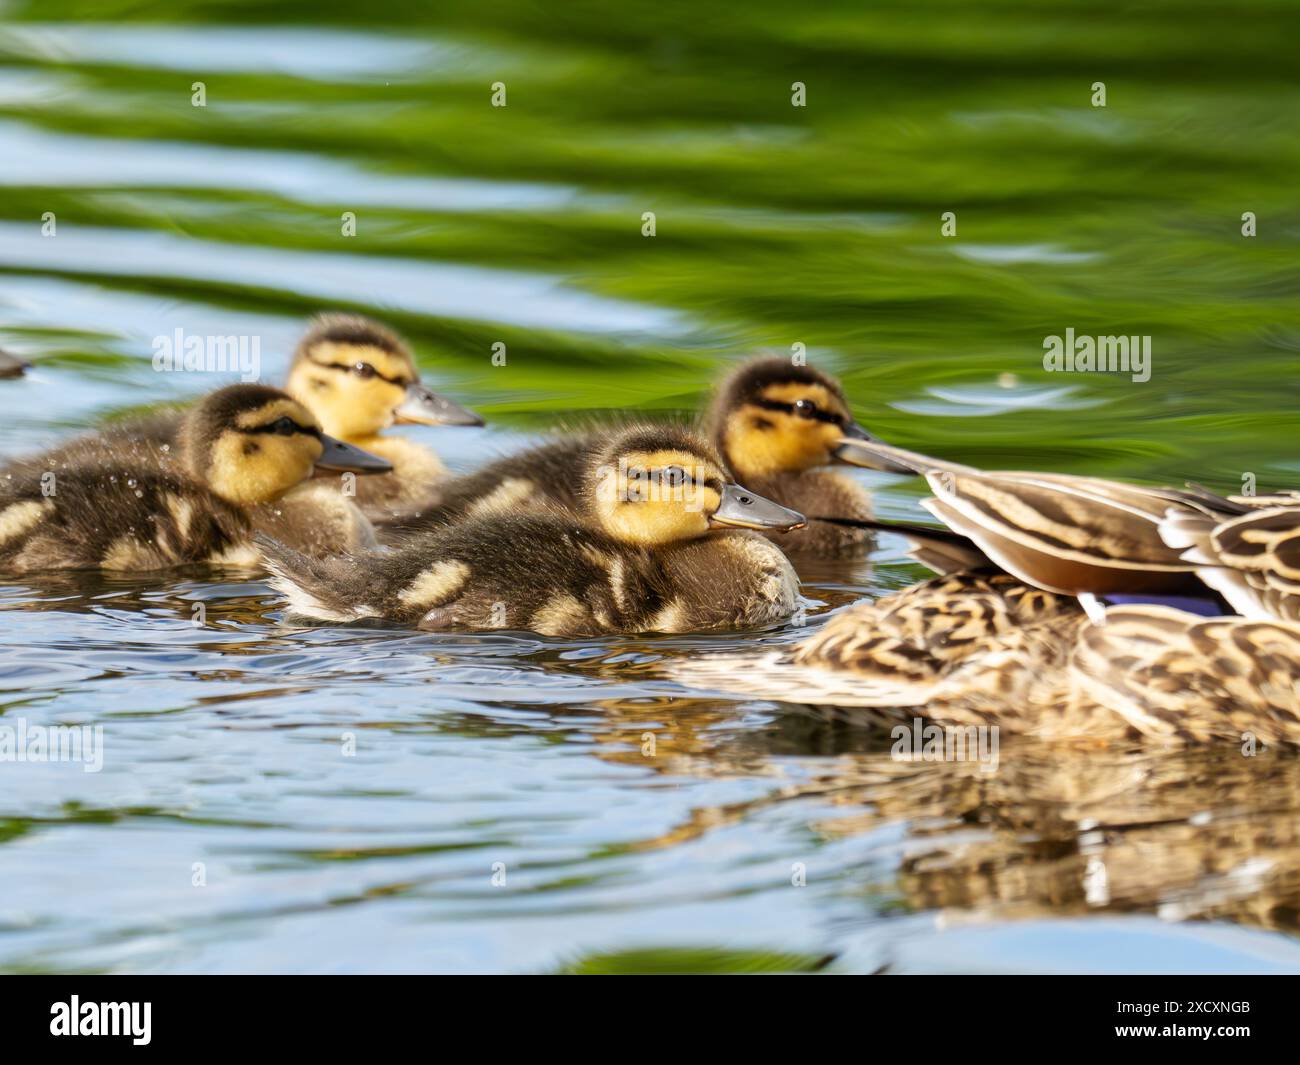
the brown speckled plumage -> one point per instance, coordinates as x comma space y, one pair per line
137, 496
986, 649
551, 570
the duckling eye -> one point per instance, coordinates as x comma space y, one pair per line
805, 408
363, 370
673, 476
285, 426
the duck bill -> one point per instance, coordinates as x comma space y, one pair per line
338, 457
742, 509
860, 448
423, 406
10, 366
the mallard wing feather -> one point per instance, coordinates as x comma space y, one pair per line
1066, 534
1253, 561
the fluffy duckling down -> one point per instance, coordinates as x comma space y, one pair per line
659, 546
129, 505
359, 378
773, 423
777, 425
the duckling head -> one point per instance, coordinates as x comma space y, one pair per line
657, 485
771, 416
360, 378
250, 444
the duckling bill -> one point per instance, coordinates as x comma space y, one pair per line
661, 544
130, 506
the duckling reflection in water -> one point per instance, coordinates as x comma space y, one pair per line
129, 506
772, 422
658, 548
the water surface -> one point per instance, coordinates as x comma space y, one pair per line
357, 799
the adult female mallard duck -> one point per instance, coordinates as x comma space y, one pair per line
772, 422
655, 549
1251, 559
132, 506
977, 646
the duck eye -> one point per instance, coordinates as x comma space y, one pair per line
363, 370
805, 408
674, 476
285, 426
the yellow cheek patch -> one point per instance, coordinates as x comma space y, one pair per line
761, 442
252, 468
351, 407
308, 382
636, 503
648, 524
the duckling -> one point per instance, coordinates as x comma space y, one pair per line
776, 424
132, 506
772, 422
359, 378
656, 549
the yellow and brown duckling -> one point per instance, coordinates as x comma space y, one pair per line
359, 378
777, 425
133, 506
658, 547
772, 422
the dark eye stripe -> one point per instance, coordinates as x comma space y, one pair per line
788, 408
658, 476
401, 382
273, 427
